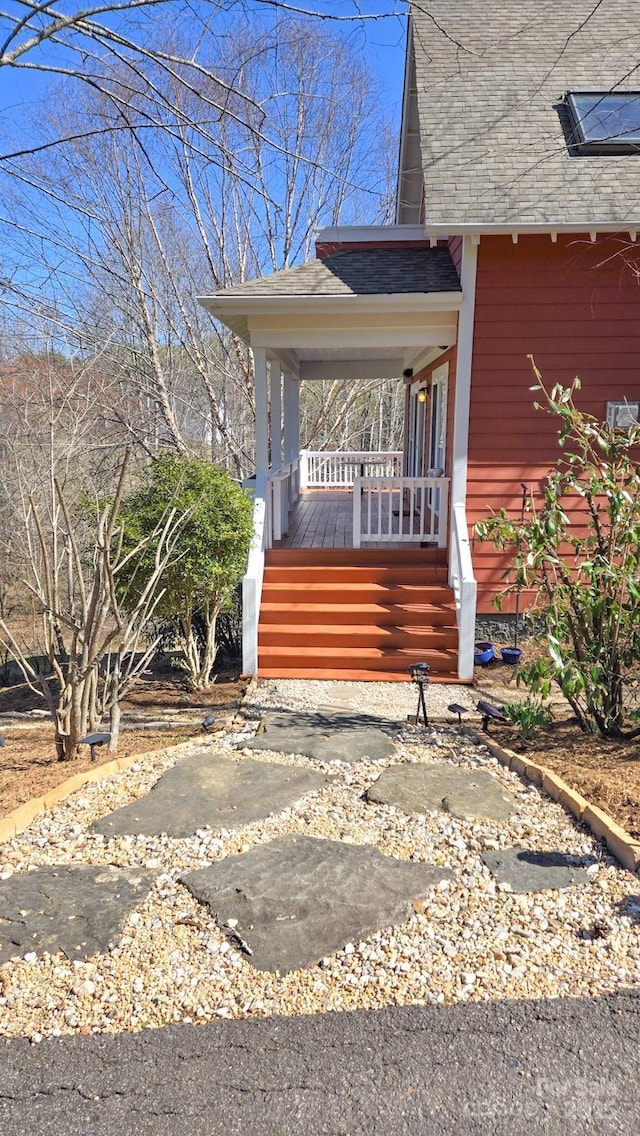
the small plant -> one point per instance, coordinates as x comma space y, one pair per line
528, 714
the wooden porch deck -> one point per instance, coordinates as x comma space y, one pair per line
323, 519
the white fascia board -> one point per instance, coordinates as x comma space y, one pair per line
356, 234
406, 96
401, 338
379, 301
479, 229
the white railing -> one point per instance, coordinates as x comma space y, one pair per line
400, 510
464, 586
252, 587
283, 490
337, 469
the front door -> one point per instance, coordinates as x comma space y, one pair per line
417, 422
438, 431
438, 422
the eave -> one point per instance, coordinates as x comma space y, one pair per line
477, 229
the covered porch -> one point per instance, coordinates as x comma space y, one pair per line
360, 499
386, 312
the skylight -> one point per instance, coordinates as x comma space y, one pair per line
605, 122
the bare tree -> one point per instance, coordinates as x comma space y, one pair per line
87, 42
127, 229
94, 641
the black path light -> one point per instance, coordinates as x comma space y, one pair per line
456, 708
208, 722
420, 675
94, 741
491, 714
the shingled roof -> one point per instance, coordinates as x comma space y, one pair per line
490, 78
359, 272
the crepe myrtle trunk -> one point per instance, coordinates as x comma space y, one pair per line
199, 638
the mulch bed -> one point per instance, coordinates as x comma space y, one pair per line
28, 763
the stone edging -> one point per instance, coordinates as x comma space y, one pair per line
618, 841
240, 715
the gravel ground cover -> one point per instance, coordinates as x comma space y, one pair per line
469, 939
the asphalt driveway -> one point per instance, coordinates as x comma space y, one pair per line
500, 1068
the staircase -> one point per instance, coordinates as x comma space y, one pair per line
356, 614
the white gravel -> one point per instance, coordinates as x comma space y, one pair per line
468, 940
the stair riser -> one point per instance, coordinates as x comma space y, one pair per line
327, 674
353, 558
413, 639
341, 615
345, 594
366, 659
384, 577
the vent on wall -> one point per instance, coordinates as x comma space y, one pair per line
622, 415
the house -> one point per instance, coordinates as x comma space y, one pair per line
517, 220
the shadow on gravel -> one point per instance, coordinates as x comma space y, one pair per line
630, 906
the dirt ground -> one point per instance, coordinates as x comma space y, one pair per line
28, 763
607, 773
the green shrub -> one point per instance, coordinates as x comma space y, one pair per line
579, 550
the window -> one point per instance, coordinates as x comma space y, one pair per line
605, 122
622, 415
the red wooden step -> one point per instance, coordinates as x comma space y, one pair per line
310, 635
343, 593
373, 614
354, 557
369, 658
384, 574
355, 675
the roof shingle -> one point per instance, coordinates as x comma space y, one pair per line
490, 79
359, 272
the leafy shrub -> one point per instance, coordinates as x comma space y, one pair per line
579, 550
528, 714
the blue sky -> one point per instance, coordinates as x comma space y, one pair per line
381, 41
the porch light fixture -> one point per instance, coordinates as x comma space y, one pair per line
604, 122
422, 396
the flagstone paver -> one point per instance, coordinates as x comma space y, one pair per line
210, 790
74, 910
471, 938
329, 736
462, 792
528, 871
297, 899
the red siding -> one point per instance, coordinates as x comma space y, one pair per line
328, 248
455, 248
574, 306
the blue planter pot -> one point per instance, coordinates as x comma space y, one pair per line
484, 653
511, 655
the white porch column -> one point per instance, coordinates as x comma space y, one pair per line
466, 322
290, 418
262, 420
276, 417
291, 434
461, 566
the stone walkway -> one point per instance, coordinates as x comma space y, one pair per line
361, 863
